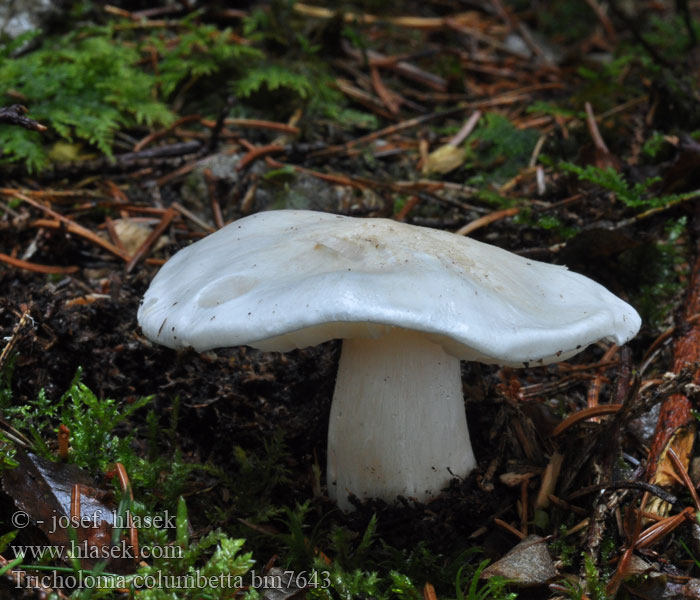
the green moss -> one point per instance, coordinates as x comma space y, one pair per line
549, 108
498, 149
607, 83
595, 581
563, 548
92, 82
670, 36
86, 85
547, 222
214, 563
654, 145
659, 268
638, 195
198, 51
292, 72
565, 22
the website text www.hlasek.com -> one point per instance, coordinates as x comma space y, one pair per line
85, 550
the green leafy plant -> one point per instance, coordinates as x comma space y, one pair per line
574, 589
502, 148
671, 35
95, 444
563, 548
547, 222
6, 380
301, 72
198, 51
298, 76
91, 83
493, 588
273, 77
301, 545
91, 422
607, 83
303, 82
7, 453
213, 565
358, 583
654, 145
685, 547
594, 579
609, 72
548, 108
664, 264
348, 554
84, 85
259, 474
633, 196
34, 418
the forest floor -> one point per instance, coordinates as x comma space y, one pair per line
566, 132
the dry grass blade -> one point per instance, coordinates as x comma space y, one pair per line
429, 592
595, 385
37, 268
150, 240
367, 19
685, 477
509, 528
256, 152
487, 220
586, 413
11, 341
73, 227
387, 96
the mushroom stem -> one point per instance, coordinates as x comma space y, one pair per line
398, 424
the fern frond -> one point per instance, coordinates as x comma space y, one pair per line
84, 85
273, 77
633, 196
201, 51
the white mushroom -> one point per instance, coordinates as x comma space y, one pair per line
409, 303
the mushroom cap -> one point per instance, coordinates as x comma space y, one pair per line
288, 279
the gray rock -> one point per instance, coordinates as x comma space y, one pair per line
20, 16
529, 563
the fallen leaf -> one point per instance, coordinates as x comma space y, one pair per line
443, 160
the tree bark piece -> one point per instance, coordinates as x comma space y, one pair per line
676, 426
